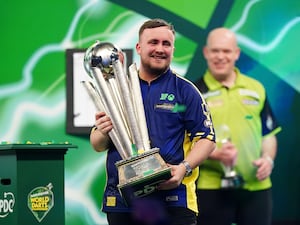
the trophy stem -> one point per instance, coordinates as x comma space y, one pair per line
139, 105
114, 88
94, 95
128, 103
114, 112
227, 170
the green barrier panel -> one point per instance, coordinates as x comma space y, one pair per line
32, 184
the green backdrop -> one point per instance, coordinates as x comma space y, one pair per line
35, 35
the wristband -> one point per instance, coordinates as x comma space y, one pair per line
271, 161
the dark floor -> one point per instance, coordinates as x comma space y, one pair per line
286, 223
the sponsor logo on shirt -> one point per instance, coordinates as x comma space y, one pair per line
173, 198
167, 97
174, 108
211, 94
250, 102
250, 93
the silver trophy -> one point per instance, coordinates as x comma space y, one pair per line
119, 95
230, 178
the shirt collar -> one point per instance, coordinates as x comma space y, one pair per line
161, 77
215, 85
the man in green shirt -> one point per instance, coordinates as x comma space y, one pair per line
234, 184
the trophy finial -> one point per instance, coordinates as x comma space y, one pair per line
101, 55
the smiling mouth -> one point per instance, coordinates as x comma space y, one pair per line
219, 65
158, 56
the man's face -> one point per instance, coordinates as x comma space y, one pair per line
221, 54
156, 48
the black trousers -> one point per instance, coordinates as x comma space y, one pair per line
153, 214
224, 207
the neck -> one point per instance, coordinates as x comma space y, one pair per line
230, 80
149, 76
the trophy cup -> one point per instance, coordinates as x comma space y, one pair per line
118, 94
230, 179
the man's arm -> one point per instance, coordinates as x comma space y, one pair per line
269, 147
265, 164
199, 152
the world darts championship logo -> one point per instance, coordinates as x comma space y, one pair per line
41, 201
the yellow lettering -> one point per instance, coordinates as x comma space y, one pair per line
39, 203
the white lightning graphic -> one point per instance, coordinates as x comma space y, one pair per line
77, 191
245, 13
253, 46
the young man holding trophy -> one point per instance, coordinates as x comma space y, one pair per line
179, 125
234, 184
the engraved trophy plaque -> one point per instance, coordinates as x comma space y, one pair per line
230, 179
118, 94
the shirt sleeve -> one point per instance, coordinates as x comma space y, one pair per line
269, 123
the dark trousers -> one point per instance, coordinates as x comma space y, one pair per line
224, 207
153, 215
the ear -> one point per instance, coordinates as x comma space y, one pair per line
138, 48
237, 53
205, 52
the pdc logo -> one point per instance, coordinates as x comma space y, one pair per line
7, 204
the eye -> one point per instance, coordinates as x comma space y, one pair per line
167, 43
153, 42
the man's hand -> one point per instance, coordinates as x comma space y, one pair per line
103, 123
264, 167
227, 154
178, 173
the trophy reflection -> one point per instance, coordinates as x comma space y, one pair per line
230, 178
118, 94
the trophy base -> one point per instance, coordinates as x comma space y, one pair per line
232, 181
139, 175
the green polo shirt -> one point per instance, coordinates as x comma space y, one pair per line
244, 109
